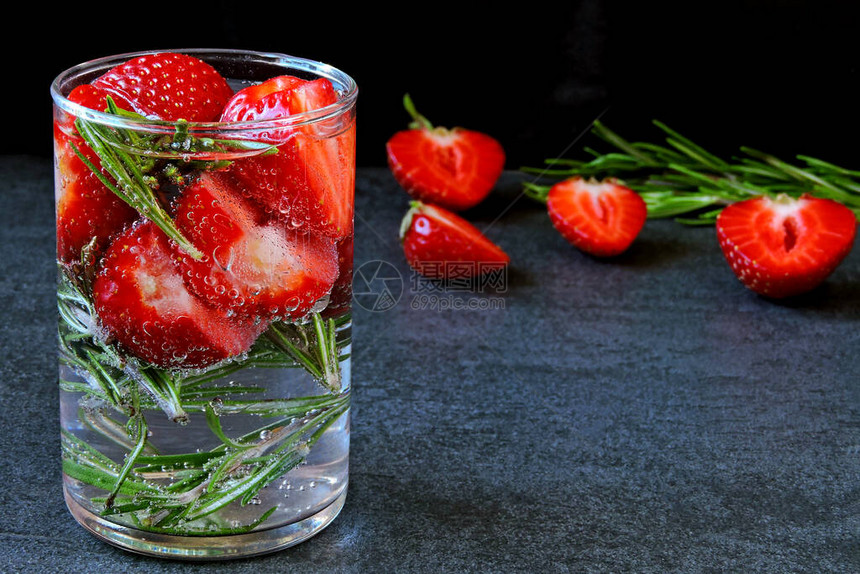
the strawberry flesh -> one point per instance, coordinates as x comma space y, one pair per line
310, 182
440, 244
599, 218
251, 264
267, 100
453, 168
143, 304
785, 247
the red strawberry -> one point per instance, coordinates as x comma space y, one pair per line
85, 95
453, 168
784, 246
255, 266
341, 292
310, 182
440, 244
600, 218
85, 207
167, 86
272, 99
143, 304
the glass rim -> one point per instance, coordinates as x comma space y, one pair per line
346, 100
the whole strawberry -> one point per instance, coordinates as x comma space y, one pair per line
440, 244
782, 247
454, 168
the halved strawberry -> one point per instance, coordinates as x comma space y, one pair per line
268, 100
167, 86
86, 209
310, 181
784, 246
440, 244
143, 304
454, 168
600, 218
252, 265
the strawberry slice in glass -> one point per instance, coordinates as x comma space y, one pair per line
87, 211
252, 264
306, 183
143, 303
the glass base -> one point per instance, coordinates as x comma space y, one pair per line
202, 548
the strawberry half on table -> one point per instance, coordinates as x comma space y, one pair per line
454, 168
143, 304
440, 244
782, 247
253, 265
601, 218
309, 183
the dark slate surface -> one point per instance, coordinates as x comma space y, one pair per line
647, 414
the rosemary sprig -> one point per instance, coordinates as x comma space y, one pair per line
140, 164
99, 420
180, 493
172, 493
680, 178
108, 377
139, 432
315, 348
132, 181
85, 463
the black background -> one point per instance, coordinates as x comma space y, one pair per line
777, 75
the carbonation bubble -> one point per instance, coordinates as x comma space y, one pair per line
217, 404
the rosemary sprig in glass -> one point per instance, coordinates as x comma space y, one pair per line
683, 180
180, 493
175, 493
116, 388
158, 157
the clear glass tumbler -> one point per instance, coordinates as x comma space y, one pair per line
204, 203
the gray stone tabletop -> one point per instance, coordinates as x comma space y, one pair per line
645, 414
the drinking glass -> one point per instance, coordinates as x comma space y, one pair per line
204, 292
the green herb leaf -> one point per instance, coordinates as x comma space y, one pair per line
129, 182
